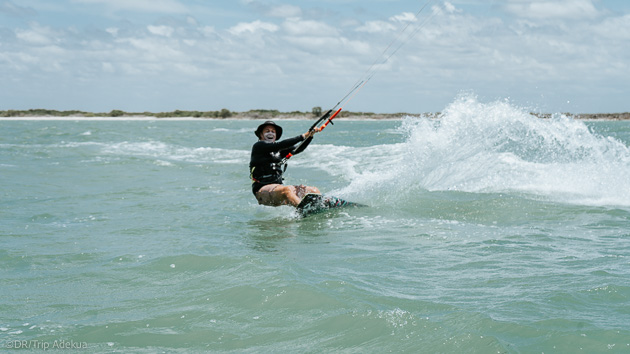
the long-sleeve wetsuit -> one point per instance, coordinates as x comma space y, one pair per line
264, 166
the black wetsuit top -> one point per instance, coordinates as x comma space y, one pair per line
264, 166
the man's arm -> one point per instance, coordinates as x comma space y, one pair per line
265, 147
303, 146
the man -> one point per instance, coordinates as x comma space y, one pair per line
266, 171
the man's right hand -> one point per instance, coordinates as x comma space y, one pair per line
309, 134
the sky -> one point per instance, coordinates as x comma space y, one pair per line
162, 55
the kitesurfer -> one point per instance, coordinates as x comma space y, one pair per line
266, 170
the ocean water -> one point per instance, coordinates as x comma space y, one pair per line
488, 231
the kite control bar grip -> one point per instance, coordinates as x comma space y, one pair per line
315, 129
328, 121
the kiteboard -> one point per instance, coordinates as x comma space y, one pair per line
315, 203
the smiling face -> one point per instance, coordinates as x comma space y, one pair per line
268, 133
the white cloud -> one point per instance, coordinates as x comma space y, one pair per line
37, 35
266, 8
253, 27
383, 26
450, 8
165, 31
113, 31
155, 49
192, 21
546, 9
300, 27
404, 17
376, 27
208, 31
166, 6
615, 28
285, 11
32, 37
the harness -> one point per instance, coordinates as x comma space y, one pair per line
272, 173
269, 172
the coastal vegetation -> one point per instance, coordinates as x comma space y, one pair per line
223, 113
261, 114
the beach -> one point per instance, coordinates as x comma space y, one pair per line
307, 116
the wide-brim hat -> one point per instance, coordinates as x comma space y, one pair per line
269, 122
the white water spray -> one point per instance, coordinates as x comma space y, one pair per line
498, 148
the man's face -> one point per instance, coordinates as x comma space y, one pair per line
268, 133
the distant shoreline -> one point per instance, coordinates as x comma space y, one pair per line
41, 114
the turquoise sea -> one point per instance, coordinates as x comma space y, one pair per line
488, 231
